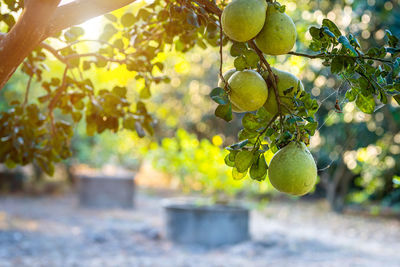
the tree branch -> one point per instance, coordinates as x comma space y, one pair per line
78, 12
272, 78
66, 59
29, 30
41, 19
322, 55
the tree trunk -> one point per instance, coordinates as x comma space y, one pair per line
26, 34
41, 19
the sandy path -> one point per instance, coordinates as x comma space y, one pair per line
56, 232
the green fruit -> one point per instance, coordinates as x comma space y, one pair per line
292, 170
249, 91
278, 35
226, 75
242, 20
286, 80
221, 84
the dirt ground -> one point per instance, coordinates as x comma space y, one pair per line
54, 231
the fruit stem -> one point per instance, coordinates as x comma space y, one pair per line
221, 60
265, 129
271, 76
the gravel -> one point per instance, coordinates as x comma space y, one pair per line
54, 231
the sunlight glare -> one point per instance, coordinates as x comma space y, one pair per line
92, 28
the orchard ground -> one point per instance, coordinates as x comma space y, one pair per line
54, 231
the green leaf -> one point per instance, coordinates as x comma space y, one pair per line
396, 181
46, 165
224, 112
332, 27
250, 121
392, 50
365, 103
119, 44
337, 64
315, 46
383, 97
279, 7
245, 134
345, 42
238, 146
76, 116
264, 115
237, 49
10, 163
73, 34
259, 168
127, 20
243, 160
238, 175
120, 91
147, 126
397, 98
353, 41
328, 32
392, 40
240, 63
129, 123
145, 93
315, 33
228, 161
144, 14
91, 127
141, 107
219, 96
311, 127
86, 65
252, 58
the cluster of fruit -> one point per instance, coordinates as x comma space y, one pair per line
275, 34
292, 169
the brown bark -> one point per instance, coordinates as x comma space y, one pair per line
24, 36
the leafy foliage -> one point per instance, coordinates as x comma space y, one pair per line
198, 164
135, 41
373, 75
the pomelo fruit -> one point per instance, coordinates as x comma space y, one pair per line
286, 80
292, 169
221, 84
249, 90
242, 20
278, 35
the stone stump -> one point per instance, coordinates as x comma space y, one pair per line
106, 192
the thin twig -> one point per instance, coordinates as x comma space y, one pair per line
271, 76
28, 86
86, 41
53, 102
65, 59
265, 129
221, 60
323, 55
